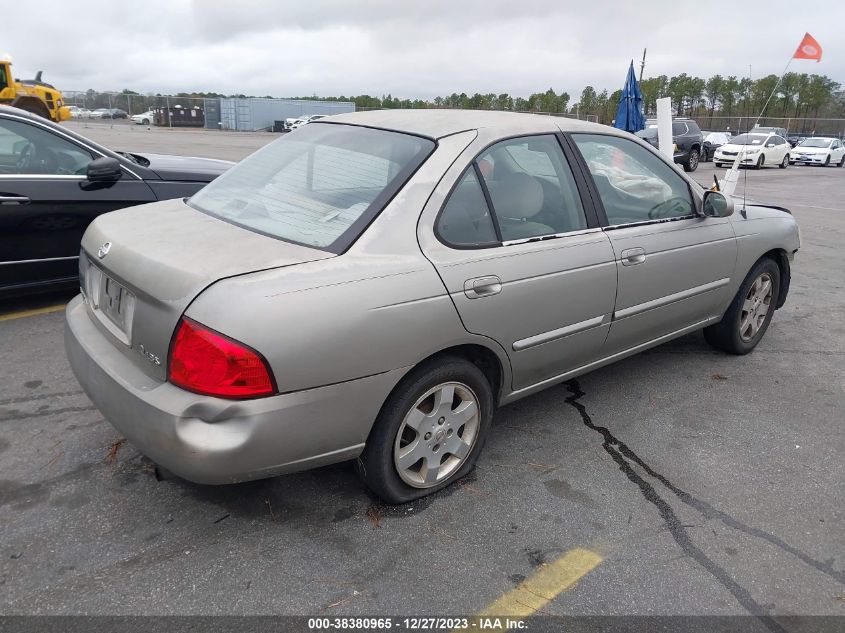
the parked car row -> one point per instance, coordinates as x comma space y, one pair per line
100, 113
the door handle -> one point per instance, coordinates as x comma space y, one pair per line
4, 199
482, 287
633, 256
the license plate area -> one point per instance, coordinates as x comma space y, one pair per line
112, 303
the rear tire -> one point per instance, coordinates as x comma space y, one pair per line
691, 164
421, 420
747, 318
785, 162
841, 162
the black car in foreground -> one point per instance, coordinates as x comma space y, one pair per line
687, 137
54, 182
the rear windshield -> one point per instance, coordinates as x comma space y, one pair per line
318, 186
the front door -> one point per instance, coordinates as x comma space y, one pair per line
521, 260
46, 203
674, 266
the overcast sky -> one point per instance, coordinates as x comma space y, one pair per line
410, 48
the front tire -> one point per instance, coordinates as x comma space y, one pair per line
826, 161
748, 317
760, 162
429, 432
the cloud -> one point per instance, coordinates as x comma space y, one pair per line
409, 49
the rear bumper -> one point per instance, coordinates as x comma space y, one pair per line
216, 441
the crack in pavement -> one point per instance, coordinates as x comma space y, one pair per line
711, 512
619, 451
9, 416
40, 396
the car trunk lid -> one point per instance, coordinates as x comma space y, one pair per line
141, 267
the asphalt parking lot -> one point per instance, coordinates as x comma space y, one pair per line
701, 483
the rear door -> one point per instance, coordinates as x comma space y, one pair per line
674, 266
46, 203
522, 256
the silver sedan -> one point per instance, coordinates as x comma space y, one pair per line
373, 285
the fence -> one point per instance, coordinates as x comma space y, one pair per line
809, 125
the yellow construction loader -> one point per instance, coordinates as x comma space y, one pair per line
32, 95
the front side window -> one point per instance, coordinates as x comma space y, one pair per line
32, 150
319, 186
531, 188
634, 185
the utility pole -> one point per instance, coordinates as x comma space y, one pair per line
642, 65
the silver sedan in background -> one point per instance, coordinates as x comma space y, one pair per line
373, 285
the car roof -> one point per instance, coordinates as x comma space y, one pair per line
437, 123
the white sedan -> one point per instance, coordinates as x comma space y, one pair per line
145, 118
757, 150
818, 151
305, 120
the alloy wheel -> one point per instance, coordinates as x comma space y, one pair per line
437, 435
756, 306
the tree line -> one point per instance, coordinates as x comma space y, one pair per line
799, 95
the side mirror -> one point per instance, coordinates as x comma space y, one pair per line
717, 205
103, 169
770, 145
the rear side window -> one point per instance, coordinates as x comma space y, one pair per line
319, 186
532, 188
678, 128
465, 220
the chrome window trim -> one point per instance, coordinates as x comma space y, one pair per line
693, 216
42, 177
39, 261
550, 236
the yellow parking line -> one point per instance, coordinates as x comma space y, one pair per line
28, 313
536, 591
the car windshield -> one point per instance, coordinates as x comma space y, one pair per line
749, 139
815, 142
319, 186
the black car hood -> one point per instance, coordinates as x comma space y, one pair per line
186, 168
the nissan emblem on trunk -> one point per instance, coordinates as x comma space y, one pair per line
104, 250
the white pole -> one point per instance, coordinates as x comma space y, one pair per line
664, 127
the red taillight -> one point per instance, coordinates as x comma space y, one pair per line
206, 362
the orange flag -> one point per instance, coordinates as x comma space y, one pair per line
809, 48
